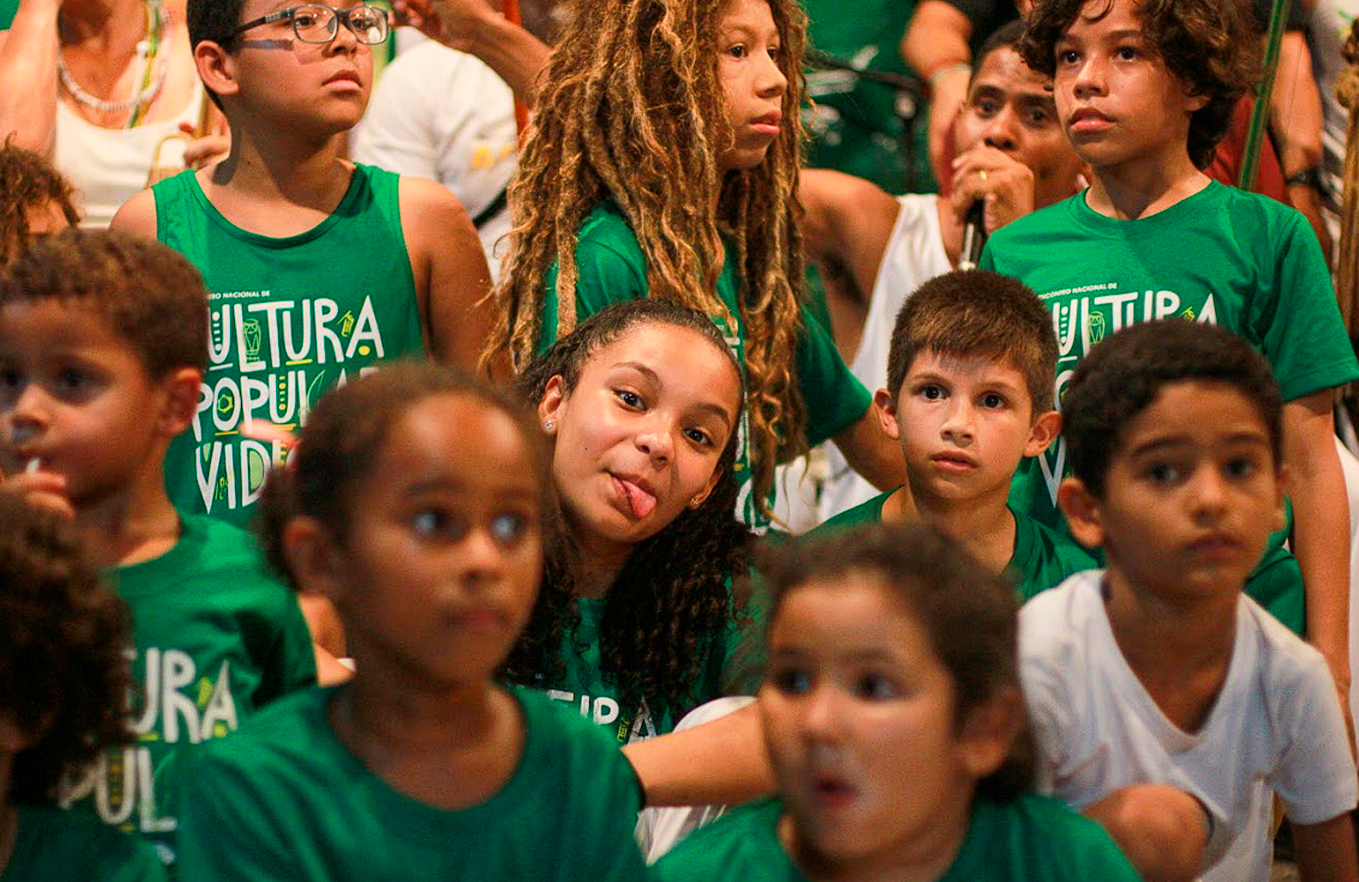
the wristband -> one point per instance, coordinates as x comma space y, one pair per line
1307, 177
946, 70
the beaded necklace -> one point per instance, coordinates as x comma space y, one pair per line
152, 76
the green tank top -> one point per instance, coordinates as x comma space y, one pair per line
289, 318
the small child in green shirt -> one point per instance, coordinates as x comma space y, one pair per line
102, 348
63, 684
968, 398
897, 732
415, 503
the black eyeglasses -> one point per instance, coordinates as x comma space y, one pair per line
315, 23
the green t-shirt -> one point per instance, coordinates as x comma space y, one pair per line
289, 318
1222, 256
52, 844
284, 799
729, 668
612, 269
1042, 559
1031, 838
217, 637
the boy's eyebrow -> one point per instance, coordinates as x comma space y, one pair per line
1156, 444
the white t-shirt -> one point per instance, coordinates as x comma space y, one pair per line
1275, 727
444, 115
914, 255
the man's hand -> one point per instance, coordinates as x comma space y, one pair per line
1002, 183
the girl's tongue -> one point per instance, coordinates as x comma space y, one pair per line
642, 502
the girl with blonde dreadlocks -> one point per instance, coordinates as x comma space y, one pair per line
662, 161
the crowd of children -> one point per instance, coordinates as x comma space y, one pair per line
513, 553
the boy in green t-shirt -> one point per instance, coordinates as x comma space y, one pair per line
1145, 93
319, 269
102, 346
968, 397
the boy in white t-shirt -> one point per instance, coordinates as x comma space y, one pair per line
1166, 704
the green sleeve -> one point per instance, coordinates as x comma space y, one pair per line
834, 397
743, 655
139, 864
228, 830
1298, 323
610, 268
291, 664
8, 9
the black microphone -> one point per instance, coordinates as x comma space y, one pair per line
974, 236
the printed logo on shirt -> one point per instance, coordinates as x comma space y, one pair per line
603, 710
269, 361
177, 704
1082, 317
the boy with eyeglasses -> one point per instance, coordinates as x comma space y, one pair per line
319, 268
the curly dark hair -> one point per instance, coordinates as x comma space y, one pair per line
672, 596
970, 615
1211, 45
28, 181
1123, 374
64, 669
149, 295
345, 434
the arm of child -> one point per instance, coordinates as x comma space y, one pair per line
1317, 487
1326, 851
1162, 829
451, 278
723, 762
137, 215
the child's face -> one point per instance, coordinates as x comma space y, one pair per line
78, 399
1191, 495
440, 566
313, 86
859, 717
963, 424
748, 55
640, 436
1010, 107
1115, 96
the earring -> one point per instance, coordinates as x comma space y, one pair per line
549, 425
696, 502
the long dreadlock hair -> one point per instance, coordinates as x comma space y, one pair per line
630, 108
672, 597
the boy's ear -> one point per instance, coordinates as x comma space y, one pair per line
989, 732
216, 68
316, 563
182, 389
1043, 432
550, 405
1084, 516
886, 408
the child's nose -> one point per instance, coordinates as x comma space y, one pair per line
958, 421
822, 714
772, 83
656, 442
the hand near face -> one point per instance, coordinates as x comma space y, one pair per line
45, 490
451, 22
1002, 183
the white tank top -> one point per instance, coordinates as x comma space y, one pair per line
110, 166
